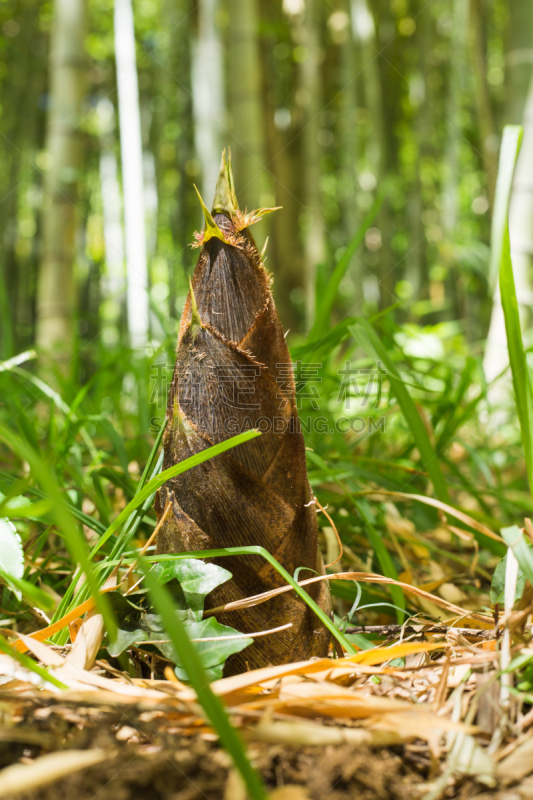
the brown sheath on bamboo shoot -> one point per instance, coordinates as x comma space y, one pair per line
233, 372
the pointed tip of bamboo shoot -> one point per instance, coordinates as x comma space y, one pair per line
211, 228
225, 200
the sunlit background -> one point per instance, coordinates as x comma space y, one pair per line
331, 109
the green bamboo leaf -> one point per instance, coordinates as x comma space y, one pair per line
365, 335
63, 519
325, 304
192, 664
509, 149
502, 256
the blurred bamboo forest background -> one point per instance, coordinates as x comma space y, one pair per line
377, 127
331, 109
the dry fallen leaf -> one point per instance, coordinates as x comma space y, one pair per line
47, 769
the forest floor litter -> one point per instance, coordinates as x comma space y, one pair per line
438, 726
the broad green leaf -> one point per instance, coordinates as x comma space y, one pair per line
196, 579
261, 551
124, 639
212, 654
497, 587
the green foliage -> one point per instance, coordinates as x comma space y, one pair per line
515, 539
517, 356
261, 551
189, 581
497, 587
366, 336
193, 667
212, 654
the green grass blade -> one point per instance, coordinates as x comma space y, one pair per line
517, 357
212, 706
502, 252
155, 483
129, 530
385, 560
117, 442
328, 341
6, 366
31, 593
63, 519
365, 335
91, 523
510, 146
321, 323
58, 401
152, 457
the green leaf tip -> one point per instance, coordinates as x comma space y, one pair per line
225, 200
211, 228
